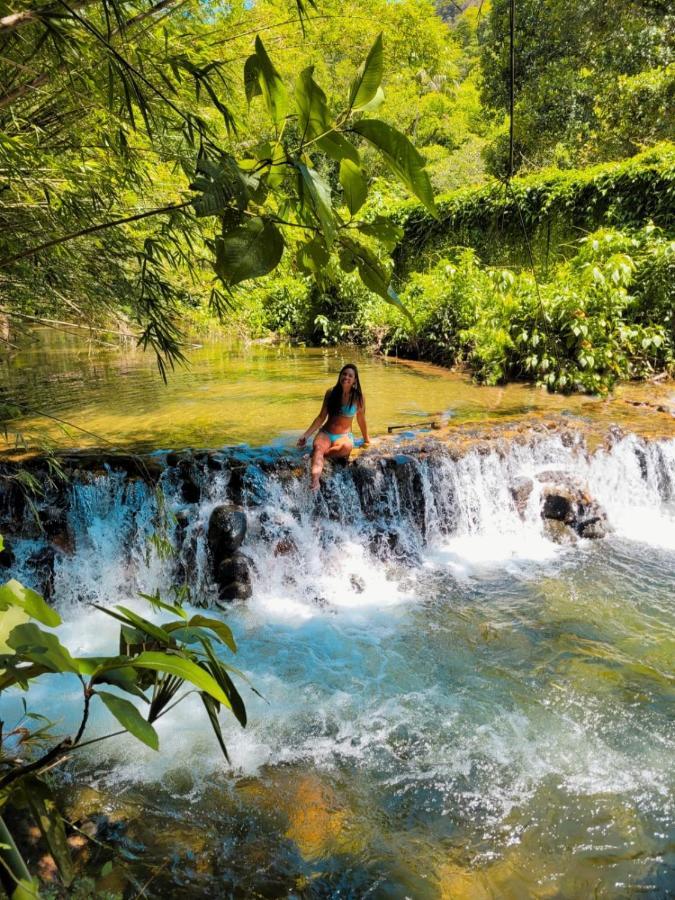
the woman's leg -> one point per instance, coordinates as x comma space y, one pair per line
320, 449
340, 448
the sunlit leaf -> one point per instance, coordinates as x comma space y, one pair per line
15, 594
182, 668
273, 90
367, 80
354, 185
401, 157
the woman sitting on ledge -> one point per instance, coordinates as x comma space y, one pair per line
335, 438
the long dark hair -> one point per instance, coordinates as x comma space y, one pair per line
335, 397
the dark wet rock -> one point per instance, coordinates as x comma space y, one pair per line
172, 459
234, 568
226, 531
521, 489
642, 462
558, 532
235, 590
233, 577
42, 565
7, 557
388, 545
188, 474
54, 521
566, 499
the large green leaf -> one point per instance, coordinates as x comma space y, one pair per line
273, 90
182, 668
142, 624
354, 185
317, 188
367, 80
130, 718
252, 78
311, 105
222, 186
371, 271
111, 670
9, 619
250, 250
401, 157
313, 256
223, 631
382, 229
15, 594
38, 646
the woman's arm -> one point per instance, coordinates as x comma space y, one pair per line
317, 423
361, 419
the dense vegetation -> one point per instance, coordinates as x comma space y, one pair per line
187, 129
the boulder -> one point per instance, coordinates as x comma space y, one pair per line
566, 499
226, 531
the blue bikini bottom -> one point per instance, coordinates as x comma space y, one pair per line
335, 437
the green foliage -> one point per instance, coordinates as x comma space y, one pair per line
583, 68
545, 210
589, 324
158, 658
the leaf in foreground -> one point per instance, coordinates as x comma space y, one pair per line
182, 668
248, 251
130, 718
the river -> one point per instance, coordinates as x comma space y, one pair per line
474, 711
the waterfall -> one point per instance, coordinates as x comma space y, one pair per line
372, 527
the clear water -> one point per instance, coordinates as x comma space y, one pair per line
232, 394
478, 713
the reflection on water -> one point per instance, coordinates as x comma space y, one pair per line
259, 395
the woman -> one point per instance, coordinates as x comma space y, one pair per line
340, 405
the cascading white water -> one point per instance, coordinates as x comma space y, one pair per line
421, 641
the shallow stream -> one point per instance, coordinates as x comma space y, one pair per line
472, 711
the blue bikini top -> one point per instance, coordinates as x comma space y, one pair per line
348, 410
